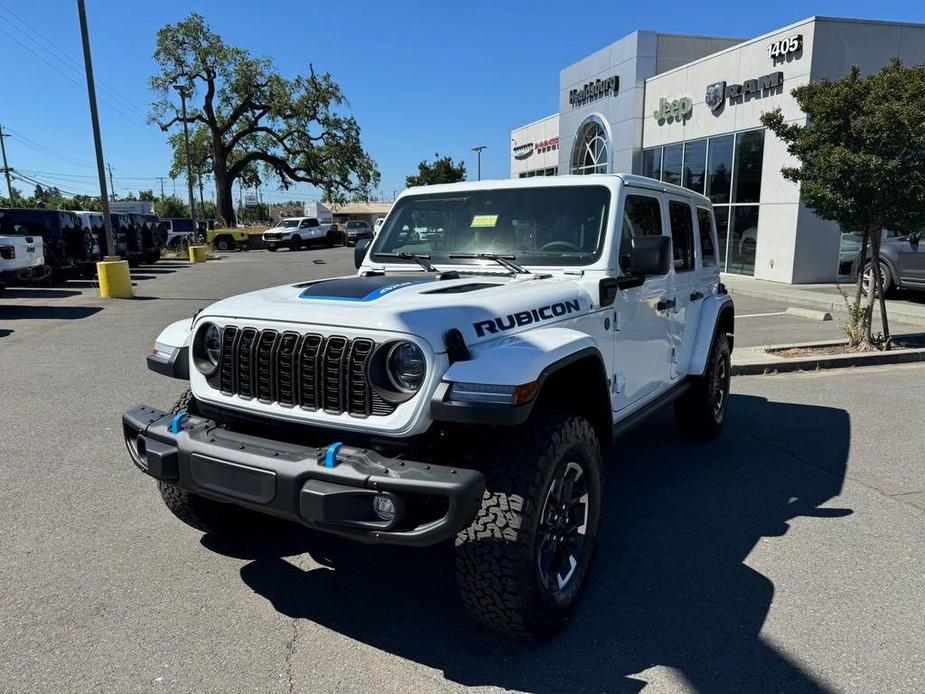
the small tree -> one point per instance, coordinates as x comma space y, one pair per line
443, 170
171, 206
861, 161
294, 129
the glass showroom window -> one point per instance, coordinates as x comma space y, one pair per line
749, 156
652, 163
695, 161
591, 153
743, 240
719, 169
671, 164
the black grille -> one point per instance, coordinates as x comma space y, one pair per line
307, 371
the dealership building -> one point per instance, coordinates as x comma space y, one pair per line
687, 109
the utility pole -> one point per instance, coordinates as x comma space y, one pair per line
95, 119
161, 179
189, 167
478, 152
112, 185
6, 167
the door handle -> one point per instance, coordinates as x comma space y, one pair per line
665, 304
696, 296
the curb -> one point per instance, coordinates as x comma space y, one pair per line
810, 313
831, 361
898, 312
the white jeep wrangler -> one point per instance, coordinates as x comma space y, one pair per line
461, 386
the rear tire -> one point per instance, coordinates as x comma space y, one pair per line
886, 279
223, 243
523, 561
701, 411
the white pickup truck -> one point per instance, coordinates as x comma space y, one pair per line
21, 257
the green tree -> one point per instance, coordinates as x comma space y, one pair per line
442, 170
294, 129
171, 206
861, 161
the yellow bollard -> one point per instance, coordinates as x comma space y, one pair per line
114, 278
197, 254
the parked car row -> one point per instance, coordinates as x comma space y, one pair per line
299, 232
72, 242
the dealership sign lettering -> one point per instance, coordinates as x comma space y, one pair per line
594, 90
718, 92
784, 47
528, 148
674, 109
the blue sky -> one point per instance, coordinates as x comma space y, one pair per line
421, 77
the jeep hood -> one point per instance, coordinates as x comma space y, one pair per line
480, 306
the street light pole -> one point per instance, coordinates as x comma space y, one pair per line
181, 89
95, 120
478, 152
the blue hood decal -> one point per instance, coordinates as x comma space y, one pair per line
358, 288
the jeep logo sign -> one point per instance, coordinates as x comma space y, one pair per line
673, 109
534, 315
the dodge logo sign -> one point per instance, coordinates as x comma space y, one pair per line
715, 94
523, 151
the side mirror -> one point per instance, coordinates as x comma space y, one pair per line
359, 252
647, 255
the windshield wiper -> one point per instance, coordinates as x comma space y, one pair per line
420, 258
503, 260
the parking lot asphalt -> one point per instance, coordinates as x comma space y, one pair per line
785, 556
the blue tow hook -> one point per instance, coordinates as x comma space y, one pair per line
330, 456
177, 421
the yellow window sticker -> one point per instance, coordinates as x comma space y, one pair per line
484, 220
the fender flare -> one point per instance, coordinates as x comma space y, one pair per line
530, 357
717, 311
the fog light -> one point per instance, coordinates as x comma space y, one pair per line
384, 506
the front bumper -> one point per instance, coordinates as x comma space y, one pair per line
329, 488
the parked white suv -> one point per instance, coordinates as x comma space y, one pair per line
461, 386
296, 232
22, 258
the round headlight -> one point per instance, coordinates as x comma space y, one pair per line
405, 366
207, 348
213, 344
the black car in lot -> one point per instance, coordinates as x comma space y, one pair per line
153, 237
69, 248
357, 230
128, 238
902, 262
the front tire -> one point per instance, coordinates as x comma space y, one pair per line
523, 561
701, 411
222, 243
295, 244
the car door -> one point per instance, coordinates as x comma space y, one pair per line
683, 279
641, 329
911, 261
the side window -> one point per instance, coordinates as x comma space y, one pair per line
682, 235
705, 224
642, 216
313, 222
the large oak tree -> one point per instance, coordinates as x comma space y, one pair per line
294, 130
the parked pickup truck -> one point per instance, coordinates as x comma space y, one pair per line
21, 258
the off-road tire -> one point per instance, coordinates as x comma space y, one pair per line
696, 412
497, 567
184, 403
223, 243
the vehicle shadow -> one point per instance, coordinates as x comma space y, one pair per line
4, 332
157, 270
19, 312
38, 293
669, 587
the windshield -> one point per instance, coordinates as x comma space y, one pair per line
287, 223
555, 225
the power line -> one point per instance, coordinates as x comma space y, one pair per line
71, 79
32, 33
